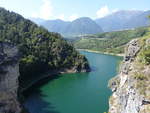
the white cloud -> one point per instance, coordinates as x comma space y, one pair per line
46, 10
103, 11
73, 17
61, 16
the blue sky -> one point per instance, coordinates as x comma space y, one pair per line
71, 9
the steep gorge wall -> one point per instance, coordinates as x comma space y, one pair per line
9, 73
131, 90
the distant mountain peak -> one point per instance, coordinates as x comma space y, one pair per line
119, 20
84, 25
123, 19
125, 13
86, 18
80, 26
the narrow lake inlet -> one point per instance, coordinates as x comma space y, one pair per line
76, 93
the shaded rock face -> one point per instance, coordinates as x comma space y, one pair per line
126, 97
9, 72
133, 48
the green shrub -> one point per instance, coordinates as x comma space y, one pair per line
140, 76
145, 56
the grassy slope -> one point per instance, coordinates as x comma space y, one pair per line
111, 42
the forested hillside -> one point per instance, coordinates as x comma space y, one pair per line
40, 50
111, 42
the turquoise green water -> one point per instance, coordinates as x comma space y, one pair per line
76, 93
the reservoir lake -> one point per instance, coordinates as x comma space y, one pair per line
76, 93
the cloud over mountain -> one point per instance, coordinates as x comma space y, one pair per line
46, 10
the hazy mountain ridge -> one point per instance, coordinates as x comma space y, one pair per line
123, 20
79, 26
55, 25
83, 25
139, 20
120, 20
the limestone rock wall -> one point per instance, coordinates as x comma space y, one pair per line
129, 91
9, 72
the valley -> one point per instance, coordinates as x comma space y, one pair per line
74, 56
111, 42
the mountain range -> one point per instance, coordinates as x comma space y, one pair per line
120, 20
79, 26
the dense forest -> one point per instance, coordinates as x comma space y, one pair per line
111, 42
40, 50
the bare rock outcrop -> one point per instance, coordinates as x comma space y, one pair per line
9, 73
130, 87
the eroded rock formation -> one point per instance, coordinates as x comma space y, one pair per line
131, 90
9, 72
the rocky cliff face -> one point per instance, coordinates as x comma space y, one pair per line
9, 72
131, 90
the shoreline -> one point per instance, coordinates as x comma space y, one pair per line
51, 74
47, 75
105, 53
